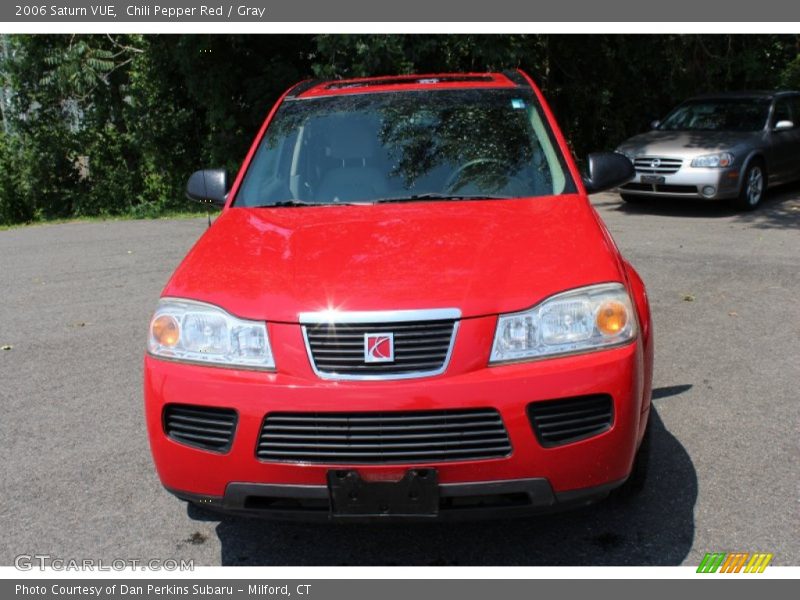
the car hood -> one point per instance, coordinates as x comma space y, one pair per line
687, 143
482, 257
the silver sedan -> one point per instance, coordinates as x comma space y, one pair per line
730, 146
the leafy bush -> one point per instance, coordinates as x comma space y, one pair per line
13, 208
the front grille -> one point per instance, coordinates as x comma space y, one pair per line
420, 348
661, 187
656, 165
557, 422
200, 426
389, 437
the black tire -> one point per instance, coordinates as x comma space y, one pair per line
754, 186
635, 483
632, 198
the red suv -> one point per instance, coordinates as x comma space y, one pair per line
407, 308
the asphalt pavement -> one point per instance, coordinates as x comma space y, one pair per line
78, 481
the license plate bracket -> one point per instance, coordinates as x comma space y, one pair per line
416, 494
653, 179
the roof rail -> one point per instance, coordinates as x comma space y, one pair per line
301, 87
405, 80
515, 76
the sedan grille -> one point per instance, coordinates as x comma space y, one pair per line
374, 437
420, 348
203, 427
557, 422
657, 166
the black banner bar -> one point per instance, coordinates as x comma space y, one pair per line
392, 589
458, 11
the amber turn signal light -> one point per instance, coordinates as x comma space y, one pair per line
166, 331
612, 318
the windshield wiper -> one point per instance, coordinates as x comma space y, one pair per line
438, 196
286, 203
414, 198
293, 203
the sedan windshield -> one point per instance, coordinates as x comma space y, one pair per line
405, 146
739, 114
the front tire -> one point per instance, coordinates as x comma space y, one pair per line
754, 186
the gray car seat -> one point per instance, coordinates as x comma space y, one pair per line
353, 147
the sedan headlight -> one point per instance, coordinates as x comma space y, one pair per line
196, 332
713, 161
593, 317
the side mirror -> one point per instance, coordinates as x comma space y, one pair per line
209, 186
607, 170
783, 125
655, 124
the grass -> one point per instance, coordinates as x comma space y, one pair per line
172, 214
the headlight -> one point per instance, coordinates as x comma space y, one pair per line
593, 317
713, 161
192, 331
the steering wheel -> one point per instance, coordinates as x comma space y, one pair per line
454, 176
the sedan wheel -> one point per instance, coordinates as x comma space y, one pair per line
753, 187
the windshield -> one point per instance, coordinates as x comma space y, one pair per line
740, 114
396, 146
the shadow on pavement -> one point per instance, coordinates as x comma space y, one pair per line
670, 390
780, 209
655, 527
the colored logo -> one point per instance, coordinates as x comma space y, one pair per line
734, 562
378, 347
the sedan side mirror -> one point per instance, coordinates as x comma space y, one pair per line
607, 170
209, 186
783, 125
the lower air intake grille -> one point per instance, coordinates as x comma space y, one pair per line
373, 437
200, 426
557, 422
661, 187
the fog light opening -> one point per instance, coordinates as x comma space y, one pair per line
709, 191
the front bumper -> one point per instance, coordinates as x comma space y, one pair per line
552, 476
475, 500
687, 182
